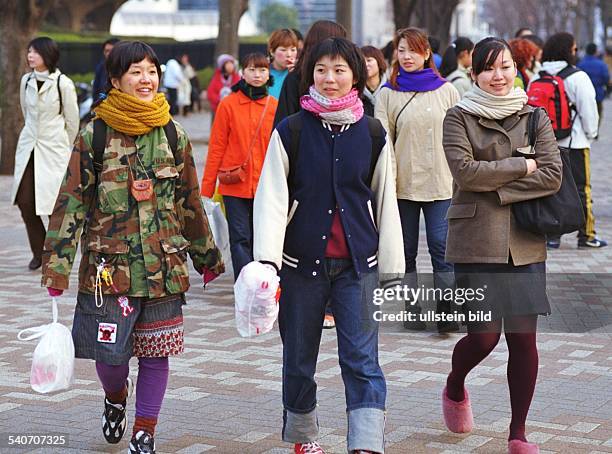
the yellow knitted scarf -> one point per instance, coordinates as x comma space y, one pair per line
128, 114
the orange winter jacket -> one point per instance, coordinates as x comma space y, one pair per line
233, 129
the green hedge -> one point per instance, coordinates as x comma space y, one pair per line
204, 76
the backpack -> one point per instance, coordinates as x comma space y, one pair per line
98, 142
549, 92
377, 133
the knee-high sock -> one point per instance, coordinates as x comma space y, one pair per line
113, 380
150, 390
469, 351
522, 371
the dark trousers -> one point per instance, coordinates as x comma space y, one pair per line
26, 201
172, 100
580, 160
239, 214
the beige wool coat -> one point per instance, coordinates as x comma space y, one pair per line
488, 177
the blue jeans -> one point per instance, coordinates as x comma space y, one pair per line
436, 228
302, 307
239, 214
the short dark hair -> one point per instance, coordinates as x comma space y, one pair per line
434, 43
449, 59
486, 52
559, 47
338, 47
520, 31
112, 41
257, 59
591, 49
535, 39
375, 53
124, 54
297, 33
48, 50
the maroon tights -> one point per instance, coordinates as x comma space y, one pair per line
522, 363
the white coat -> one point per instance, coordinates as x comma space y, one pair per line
47, 133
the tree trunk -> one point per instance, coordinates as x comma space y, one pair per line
230, 12
402, 12
344, 15
19, 22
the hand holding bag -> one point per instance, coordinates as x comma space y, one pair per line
555, 214
237, 174
53, 359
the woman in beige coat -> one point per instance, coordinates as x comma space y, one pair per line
49, 107
493, 166
411, 107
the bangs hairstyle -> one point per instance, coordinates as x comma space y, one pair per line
124, 54
338, 47
376, 54
48, 50
486, 52
256, 59
284, 37
417, 41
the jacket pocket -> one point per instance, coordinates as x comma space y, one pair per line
461, 211
113, 189
372, 214
113, 252
175, 258
294, 206
165, 176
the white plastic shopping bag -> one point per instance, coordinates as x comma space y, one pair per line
256, 291
218, 226
53, 359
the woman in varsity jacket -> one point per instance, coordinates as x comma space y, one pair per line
49, 107
326, 216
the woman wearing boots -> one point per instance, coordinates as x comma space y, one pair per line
239, 139
132, 186
411, 107
49, 107
493, 166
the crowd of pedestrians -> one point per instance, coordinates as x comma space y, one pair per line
325, 155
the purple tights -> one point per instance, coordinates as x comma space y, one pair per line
150, 388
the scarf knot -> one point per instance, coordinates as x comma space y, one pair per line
478, 102
340, 111
132, 116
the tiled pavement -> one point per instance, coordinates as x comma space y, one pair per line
224, 392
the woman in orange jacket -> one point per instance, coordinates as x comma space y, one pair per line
238, 142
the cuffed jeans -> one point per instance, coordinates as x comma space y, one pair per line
302, 308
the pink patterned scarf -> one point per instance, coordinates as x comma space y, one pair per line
341, 111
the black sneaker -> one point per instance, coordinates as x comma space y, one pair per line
594, 243
142, 443
114, 418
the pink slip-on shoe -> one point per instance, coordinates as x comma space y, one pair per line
457, 415
522, 447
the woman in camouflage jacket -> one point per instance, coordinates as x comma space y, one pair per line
140, 213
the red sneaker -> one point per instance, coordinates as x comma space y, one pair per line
308, 448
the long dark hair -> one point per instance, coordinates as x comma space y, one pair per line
486, 52
338, 47
123, 55
48, 50
319, 31
449, 59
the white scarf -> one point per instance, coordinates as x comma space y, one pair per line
478, 102
41, 76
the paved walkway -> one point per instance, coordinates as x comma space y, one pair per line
224, 394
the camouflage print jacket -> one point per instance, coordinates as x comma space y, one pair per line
143, 244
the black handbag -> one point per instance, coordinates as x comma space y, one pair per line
555, 214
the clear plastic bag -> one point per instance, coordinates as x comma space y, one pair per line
218, 226
256, 292
53, 358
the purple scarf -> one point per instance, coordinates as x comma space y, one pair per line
423, 80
